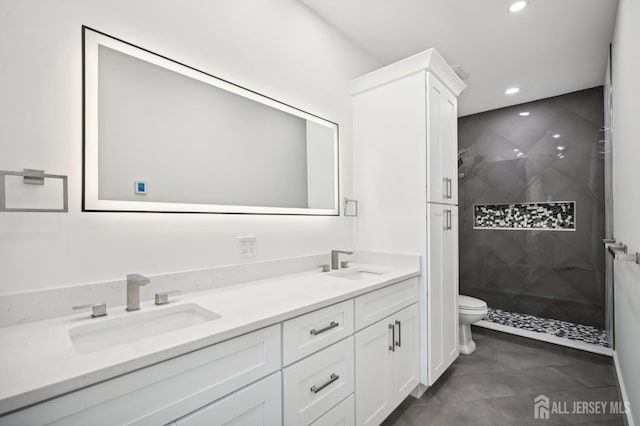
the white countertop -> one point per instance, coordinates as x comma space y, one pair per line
38, 360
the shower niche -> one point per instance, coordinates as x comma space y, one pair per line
551, 216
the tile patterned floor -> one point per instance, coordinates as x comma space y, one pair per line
496, 385
568, 330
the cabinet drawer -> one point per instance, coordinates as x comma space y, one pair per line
317, 383
379, 304
309, 333
257, 405
165, 391
342, 414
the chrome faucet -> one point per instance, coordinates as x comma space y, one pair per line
334, 257
134, 281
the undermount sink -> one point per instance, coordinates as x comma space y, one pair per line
105, 334
356, 274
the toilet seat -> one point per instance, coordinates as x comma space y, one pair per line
467, 303
481, 312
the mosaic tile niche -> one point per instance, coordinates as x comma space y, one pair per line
552, 216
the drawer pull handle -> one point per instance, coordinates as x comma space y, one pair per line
318, 388
333, 324
399, 342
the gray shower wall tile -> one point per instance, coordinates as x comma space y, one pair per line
583, 104
558, 274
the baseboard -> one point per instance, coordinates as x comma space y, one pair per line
621, 387
561, 341
419, 390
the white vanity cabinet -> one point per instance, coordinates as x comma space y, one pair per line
387, 365
166, 391
405, 166
319, 389
313, 369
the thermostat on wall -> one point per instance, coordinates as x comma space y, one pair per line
141, 187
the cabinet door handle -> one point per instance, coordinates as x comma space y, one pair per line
448, 223
392, 346
318, 388
446, 218
447, 190
450, 219
399, 342
331, 325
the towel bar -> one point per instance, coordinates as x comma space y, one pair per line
33, 177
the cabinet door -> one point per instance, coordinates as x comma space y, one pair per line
256, 405
373, 380
450, 280
405, 370
442, 288
449, 144
442, 143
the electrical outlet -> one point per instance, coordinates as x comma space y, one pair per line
247, 246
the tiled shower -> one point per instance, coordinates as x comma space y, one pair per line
531, 196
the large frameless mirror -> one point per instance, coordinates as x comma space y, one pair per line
160, 136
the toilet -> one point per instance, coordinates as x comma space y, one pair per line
470, 310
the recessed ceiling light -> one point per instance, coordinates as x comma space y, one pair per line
512, 90
559, 147
516, 150
556, 136
560, 156
517, 6
524, 114
520, 154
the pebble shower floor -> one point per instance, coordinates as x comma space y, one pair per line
567, 330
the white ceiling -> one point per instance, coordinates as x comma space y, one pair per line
551, 47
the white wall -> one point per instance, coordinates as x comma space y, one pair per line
277, 48
626, 195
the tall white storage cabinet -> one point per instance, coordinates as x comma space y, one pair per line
405, 177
